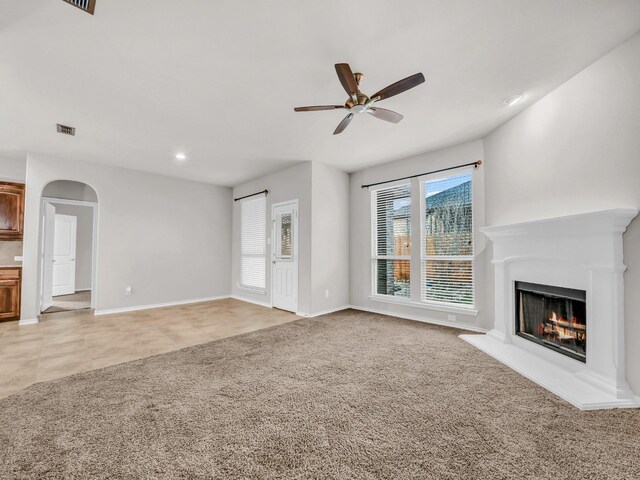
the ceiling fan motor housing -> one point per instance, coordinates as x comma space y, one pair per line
362, 101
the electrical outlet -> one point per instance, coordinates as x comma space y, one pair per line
127, 291
452, 318
326, 293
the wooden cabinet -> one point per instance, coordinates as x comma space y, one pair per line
11, 210
10, 279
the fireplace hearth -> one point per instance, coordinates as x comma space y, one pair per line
554, 317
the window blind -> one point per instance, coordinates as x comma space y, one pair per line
253, 220
391, 256
447, 240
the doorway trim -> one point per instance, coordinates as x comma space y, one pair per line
296, 229
94, 247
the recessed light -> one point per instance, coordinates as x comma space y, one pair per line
513, 99
181, 157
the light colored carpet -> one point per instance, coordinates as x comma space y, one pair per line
67, 303
350, 395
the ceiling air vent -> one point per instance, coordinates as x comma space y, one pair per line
65, 130
87, 5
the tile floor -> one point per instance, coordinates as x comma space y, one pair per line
73, 342
75, 301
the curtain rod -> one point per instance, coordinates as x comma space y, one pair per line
265, 191
475, 165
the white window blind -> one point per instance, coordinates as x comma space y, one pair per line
391, 256
447, 240
253, 220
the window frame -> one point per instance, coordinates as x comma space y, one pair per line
264, 255
423, 258
374, 257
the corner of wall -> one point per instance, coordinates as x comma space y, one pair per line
329, 275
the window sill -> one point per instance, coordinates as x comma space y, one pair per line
427, 306
257, 291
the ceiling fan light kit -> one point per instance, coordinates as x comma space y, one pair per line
359, 103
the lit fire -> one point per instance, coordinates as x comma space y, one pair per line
566, 329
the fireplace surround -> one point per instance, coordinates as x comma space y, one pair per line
580, 358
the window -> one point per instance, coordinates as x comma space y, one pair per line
253, 220
284, 249
443, 266
392, 240
447, 240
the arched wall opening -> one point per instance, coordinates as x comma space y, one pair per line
68, 246
70, 190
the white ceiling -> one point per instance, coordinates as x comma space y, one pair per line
144, 79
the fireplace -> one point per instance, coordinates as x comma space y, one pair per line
584, 253
554, 317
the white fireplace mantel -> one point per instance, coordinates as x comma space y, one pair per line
582, 251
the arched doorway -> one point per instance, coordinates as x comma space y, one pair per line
68, 242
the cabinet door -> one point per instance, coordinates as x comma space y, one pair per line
9, 299
11, 210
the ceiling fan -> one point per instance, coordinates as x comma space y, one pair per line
358, 102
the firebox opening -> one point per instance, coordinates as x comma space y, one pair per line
554, 317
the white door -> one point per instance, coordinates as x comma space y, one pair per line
64, 255
285, 257
48, 226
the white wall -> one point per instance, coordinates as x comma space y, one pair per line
289, 184
323, 262
166, 238
84, 241
576, 150
13, 170
360, 241
329, 238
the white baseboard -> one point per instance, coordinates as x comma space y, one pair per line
158, 305
444, 323
27, 321
250, 300
324, 312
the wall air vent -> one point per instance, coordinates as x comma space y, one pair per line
65, 130
86, 5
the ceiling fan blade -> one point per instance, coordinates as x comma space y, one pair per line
343, 124
316, 108
347, 79
400, 86
384, 114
